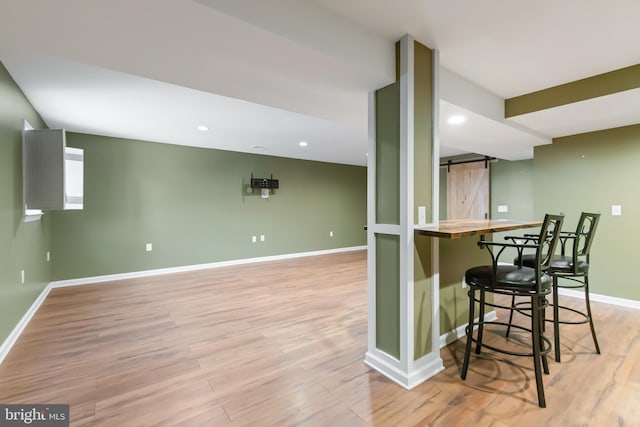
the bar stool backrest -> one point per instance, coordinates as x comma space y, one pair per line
585, 231
547, 242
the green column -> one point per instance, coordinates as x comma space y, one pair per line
402, 194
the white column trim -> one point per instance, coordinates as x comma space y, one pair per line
372, 227
386, 229
435, 176
407, 67
435, 137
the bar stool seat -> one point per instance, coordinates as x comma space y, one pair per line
509, 277
559, 263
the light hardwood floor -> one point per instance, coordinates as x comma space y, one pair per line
282, 343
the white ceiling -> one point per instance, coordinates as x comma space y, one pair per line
273, 73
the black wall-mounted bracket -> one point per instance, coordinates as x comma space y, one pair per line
269, 183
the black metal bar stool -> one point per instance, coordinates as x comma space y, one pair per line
518, 281
573, 270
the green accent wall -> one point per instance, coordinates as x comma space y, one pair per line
422, 130
456, 257
388, 294
422, 299
591, 172
512, 184
422, 196
195, 206
442, 195
387, 202
388, 154
592, 87
23, 246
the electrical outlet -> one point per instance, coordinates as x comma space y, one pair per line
262, 237
331, 234
464, 283
22, 277
254, 239
149, 247
48, 256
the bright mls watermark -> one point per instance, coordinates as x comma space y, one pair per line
34, 415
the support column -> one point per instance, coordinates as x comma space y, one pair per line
403, 180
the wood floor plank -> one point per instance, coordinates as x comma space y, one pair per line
282, 344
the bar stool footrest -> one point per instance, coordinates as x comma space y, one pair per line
546, 347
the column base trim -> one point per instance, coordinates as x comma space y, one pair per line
426, 370
425, 367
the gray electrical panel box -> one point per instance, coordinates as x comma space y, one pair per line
53, 172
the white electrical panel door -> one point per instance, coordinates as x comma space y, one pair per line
53, 172
73, 178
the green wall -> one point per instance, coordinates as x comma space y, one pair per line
512, 184
591, 172
192, 204
388, 294
422, 196
388, 154
23, 246
387, 257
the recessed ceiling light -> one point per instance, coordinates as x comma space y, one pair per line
456, 120
202, 128
302, 143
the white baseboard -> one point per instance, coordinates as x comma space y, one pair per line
621, 302
459, 332
22, 324
195, 267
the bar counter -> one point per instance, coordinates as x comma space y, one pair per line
458, 228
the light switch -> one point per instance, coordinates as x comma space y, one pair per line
149, 247
503, 208
616, 210
422, 215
